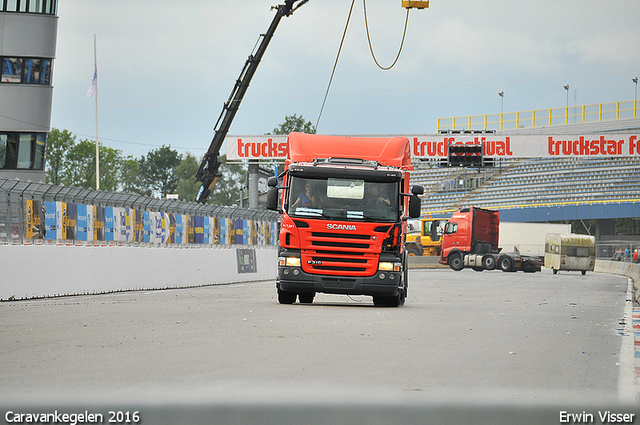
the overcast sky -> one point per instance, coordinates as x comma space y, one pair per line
165, 67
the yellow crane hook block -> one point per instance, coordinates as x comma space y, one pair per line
410, 4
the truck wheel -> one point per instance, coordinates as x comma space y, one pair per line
414, 251
489, 262
306, 297
286, 297
402, 291
396, 301
506, 264
455, 261
555, 271
406, 281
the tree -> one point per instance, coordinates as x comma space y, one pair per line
58, 144
80, 169
226, 190
80, 164
295, 123
130, 180
110, 168
188, 187
74, 163
158, 170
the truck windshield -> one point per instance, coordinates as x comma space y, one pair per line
344, 199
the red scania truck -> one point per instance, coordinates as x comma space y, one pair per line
344, 207
471, 240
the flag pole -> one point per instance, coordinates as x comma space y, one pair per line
95, 62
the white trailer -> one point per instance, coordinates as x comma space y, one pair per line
570, 252
528, 238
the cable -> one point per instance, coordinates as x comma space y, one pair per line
326, 94
404, 33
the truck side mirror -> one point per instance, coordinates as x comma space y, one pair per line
272, 197
414, 206
272, 194
415, 202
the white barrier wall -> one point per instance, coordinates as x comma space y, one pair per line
622, 268
36, 271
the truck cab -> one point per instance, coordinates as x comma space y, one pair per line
471, 240
471, 230
344, 207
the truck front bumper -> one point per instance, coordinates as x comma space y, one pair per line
382, 283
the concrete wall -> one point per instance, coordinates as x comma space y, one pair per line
630, 270
40, 271
37, 271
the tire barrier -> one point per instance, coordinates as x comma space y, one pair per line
59, 241
68, 223
37, 213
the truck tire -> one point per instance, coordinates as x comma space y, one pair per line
506, 263
396, 301
415, 251
455, 261
386, 301
489, 262
406, 281
286, 297
306, 297
402, 291
392, 301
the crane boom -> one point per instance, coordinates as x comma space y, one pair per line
208, 171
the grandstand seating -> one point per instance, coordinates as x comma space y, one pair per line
535, 181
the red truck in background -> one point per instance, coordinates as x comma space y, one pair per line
471, 240
344, 207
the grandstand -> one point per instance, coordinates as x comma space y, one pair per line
542, 189
527, 182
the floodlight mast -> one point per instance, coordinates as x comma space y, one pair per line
208, 171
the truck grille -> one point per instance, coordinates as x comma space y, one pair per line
349, 254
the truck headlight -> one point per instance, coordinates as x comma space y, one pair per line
289, 261
389, 267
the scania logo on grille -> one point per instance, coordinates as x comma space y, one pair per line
331, 226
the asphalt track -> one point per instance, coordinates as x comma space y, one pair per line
465, 337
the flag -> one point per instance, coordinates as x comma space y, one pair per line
94, 83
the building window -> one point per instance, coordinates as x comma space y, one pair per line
26, 70
22, 151
11, 70
47, 7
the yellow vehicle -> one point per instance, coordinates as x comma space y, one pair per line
425, 237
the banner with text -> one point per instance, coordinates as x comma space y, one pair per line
494, 145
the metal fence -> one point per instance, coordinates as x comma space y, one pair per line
542, 117
38, 213
607, 250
